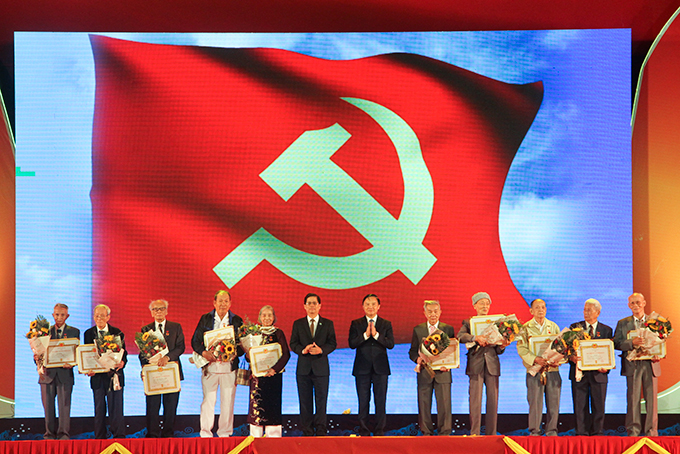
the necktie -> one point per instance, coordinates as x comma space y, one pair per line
160, 328
590, 331
101, 333
59, 333
311, 327
432, 329
371, 321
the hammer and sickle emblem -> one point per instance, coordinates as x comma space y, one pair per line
396, 243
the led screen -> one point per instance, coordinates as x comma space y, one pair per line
410, 165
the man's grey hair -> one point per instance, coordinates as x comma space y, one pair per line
158, 300
108, 309
594, 302
431, 303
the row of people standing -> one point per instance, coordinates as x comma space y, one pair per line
588, 394
313, 339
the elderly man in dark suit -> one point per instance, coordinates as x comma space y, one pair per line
174, 338
313, 339
590, 393
440, 383
107, 387
483, 368
371, 336
641, 376
217, 375
58, 381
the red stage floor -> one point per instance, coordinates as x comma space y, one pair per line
353, 445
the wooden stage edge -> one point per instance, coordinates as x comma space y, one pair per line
352, 445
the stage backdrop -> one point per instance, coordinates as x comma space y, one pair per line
411, 165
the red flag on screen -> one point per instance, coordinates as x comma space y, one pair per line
188, 168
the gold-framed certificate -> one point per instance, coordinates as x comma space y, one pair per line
61, 352
658, 351
210, 337
161, 379
87, 359
263, 357
479, 323
450, 359
539, 344
596, 354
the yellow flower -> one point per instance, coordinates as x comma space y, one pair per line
229, 349
34, 324
44, 330
435, 351
436, 337
577, 329
506, 324
146, 335
515, 329
662, 319
108, 338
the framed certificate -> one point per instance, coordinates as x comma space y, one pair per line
209, 337
539, 344
61, 352
161, 380
449, 360
596, 354
479, 323
263, 357
658, 350
87, 359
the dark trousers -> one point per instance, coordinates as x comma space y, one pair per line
115, 404
363, 383
312, 389
153, 407
62, 392
589, 396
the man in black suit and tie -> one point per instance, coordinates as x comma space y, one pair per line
107, 387
313, 339
642, 375
441, 383
371, 336
58, 381
590, 393
174, 338
483, 368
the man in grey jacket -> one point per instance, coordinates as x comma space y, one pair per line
58, 381
640, 375
483, 368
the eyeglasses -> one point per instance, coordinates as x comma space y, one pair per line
101, 316
158, 309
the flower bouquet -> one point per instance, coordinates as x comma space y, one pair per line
655, 331
151, 346
563, 346
38, 336
435, 347
224, 349
505, 328
110, 349
250, 335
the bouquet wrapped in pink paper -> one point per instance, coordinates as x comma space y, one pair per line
562, 347
38, 336
655, 331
